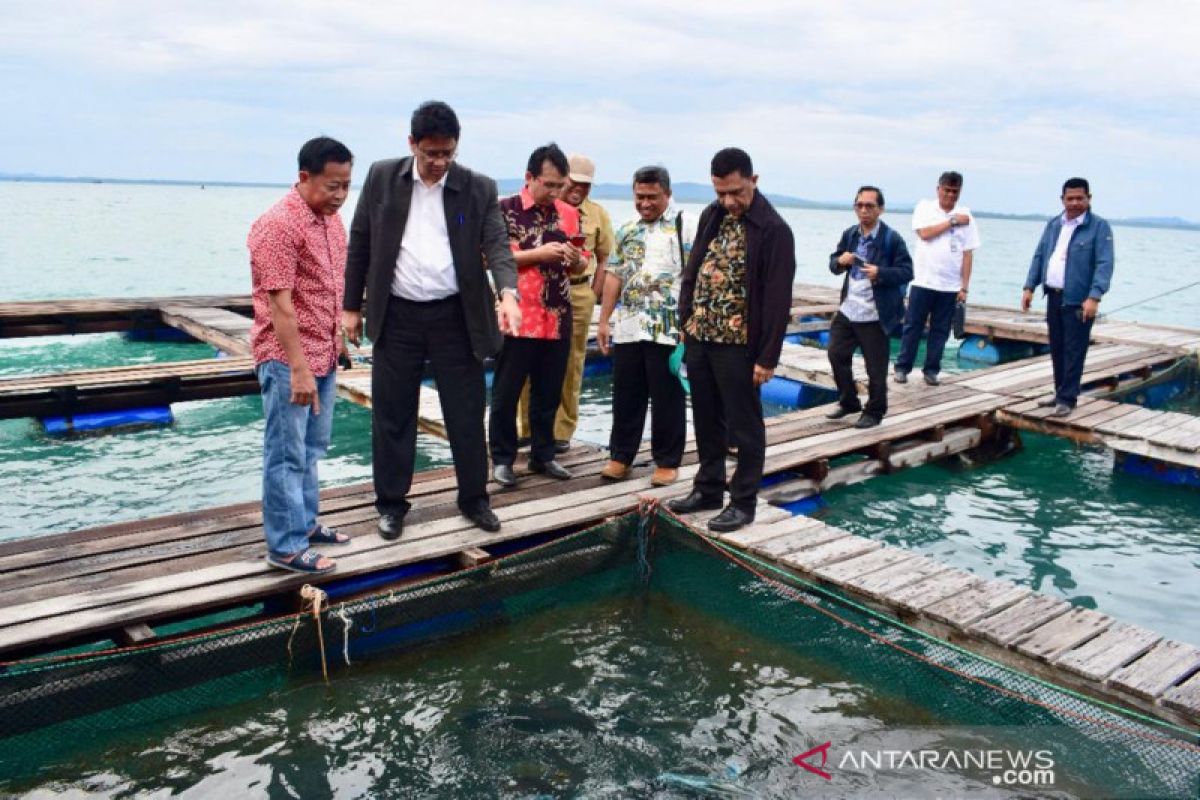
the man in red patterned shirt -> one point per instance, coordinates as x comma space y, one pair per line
297, 257
539, 228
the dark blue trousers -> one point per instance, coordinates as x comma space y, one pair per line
1069, 337
937, 307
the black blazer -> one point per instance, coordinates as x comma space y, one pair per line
895, 272
478, 237
770, 270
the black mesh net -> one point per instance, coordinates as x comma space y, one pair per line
46, 705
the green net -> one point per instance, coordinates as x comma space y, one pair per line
940, 698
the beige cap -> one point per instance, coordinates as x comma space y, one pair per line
581, 168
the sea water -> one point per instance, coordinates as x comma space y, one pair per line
1054, 517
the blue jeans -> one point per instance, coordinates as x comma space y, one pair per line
293, 441
938, 308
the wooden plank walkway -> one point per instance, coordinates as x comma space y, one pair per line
115, 388
1000, 322
59, 317
1078, 648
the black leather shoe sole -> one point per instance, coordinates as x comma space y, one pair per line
731, 519
504, 476
694, 502
484, 519
551, 468
391, 526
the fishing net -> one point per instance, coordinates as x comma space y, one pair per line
47, 704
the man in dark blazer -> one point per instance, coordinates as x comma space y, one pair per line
878, 267
734, 299
423, 233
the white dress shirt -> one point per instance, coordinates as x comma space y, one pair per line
1056, 270
425, 266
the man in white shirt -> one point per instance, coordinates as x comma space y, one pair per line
1073, 263
423, 231
947, 238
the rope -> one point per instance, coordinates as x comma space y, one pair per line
345, 618
1155, 297
315, 598
749, 563
648, 511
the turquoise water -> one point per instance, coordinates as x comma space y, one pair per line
1054, 517
1042, 517
698, 683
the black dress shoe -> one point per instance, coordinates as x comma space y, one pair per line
931, 379
503, 474
841, 411
1047, 402
551, 468
391, 526
561, 446
484, 519
866, 421
1061, 410
695, 502
731, 519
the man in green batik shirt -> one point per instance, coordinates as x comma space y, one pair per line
734, 302
644, 274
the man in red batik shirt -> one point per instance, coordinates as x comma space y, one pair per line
297, 258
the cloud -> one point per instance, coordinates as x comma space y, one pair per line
822, 94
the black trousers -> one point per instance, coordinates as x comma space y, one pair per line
413, 333
641, 375
544, 363
844, 338
1069, 338
726, 409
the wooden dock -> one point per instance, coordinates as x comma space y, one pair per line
69, 317
1079, 648
119, 581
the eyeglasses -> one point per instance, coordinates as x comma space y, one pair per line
865, 206
438, 155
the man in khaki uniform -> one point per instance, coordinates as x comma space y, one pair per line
596, 229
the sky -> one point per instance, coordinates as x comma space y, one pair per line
825, 96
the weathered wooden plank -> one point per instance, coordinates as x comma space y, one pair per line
761, 532
1185, 697
1167, 455
886, 583
1005, 625
1117, 646
829, 552
472, 557
810, 537
1138, 417
843, 572
953, 441
1064, 633
1166, 664
223, 329
976, 602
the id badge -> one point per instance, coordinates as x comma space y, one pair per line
954, 245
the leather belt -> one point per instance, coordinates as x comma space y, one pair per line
581, 280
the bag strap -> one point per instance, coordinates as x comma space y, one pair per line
679, 238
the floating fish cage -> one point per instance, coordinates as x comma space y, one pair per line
54, 702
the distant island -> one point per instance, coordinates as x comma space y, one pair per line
685, 192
